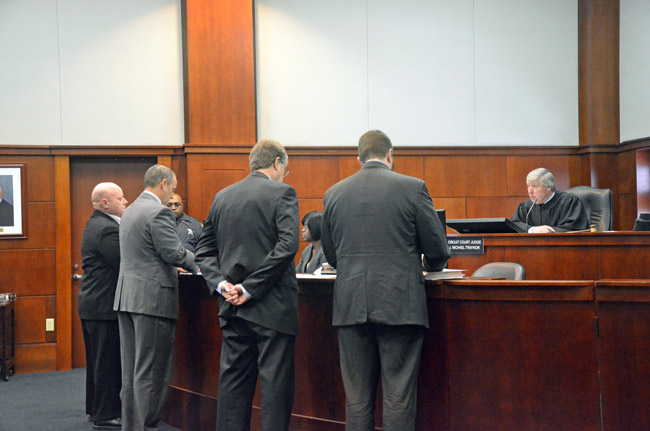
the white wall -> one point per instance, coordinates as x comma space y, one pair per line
634, 73
78, 72
427, 72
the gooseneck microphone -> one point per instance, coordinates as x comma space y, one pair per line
528, 213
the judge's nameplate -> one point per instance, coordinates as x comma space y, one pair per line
468, 245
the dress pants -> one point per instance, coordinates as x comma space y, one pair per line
369, 351
147, 343
103, 371
248, 350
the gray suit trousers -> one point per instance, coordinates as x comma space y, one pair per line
146, 351
369, 351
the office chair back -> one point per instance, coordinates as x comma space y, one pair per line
642, 223
507, 270
597, 203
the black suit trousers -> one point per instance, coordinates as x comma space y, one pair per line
103, 370
369, 351
249, 350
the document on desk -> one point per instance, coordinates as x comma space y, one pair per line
301, 276
445, 274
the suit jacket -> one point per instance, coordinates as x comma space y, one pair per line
315, 263
376, 225
100, 261
6, 213
150, 253
251, 237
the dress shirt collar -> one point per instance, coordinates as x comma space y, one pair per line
549, 199
114, 217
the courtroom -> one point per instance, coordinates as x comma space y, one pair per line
276, 215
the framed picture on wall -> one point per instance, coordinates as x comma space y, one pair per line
13, 216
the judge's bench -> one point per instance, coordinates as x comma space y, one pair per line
566, 349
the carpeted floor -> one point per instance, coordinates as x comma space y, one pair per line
46, 402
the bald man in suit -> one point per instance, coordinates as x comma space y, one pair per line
100, 261
377, 224
147, 299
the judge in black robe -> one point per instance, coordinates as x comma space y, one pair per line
563, 212
548, 210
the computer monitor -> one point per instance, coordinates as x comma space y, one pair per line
485, 225
443, 218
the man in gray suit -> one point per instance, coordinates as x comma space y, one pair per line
246, 255
147, 299
376, 226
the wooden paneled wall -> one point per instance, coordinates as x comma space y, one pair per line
221, 127
28, 267
467, 182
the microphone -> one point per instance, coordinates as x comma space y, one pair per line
528, 213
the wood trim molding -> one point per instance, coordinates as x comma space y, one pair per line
175, 151
94, 151
63, 263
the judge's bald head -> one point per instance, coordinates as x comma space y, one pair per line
374, 144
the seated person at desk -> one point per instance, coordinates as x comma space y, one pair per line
189, 229
548, 210
312, 256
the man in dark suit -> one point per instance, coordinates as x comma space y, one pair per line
376, 226
246, 254
100, 261
147, 299
6, 210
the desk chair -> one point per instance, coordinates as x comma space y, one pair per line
507, 270
597, 203
642, 223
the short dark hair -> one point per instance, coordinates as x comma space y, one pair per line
313, 224
265, 152
156, 174
374, 144
306, 217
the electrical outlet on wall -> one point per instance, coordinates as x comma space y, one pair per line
49, 325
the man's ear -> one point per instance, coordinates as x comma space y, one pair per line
359, 160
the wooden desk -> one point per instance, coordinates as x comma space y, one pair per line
499, 355
565, 256
624, 348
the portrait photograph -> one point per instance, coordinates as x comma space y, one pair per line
11, 201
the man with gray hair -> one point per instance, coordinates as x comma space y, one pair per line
549, 210
6, 210
246, 256
147, 299
100, 261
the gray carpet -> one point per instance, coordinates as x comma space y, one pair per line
52, 401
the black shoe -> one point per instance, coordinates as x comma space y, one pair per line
113, 424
